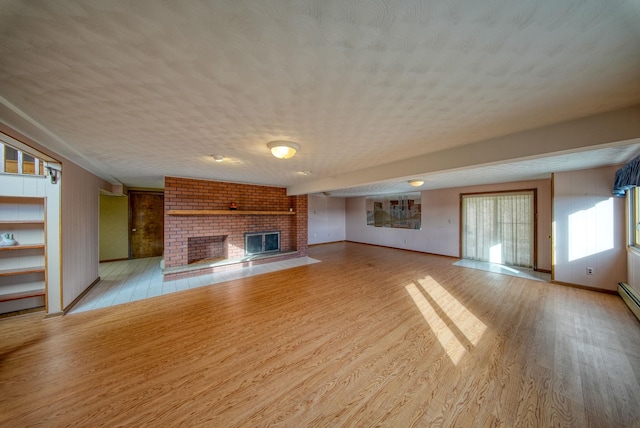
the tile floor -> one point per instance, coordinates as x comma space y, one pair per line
130, 280
505, 270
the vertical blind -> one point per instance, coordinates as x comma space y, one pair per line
498, 228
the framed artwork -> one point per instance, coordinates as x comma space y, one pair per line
402, 211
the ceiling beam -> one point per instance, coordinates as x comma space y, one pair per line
588, 133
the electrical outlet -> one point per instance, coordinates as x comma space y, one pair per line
589, 271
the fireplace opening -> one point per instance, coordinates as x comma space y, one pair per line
261, 243
207, 248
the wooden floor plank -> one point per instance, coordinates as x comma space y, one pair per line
370, 336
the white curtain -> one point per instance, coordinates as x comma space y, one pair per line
498, 228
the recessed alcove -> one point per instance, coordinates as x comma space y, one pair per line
207, 248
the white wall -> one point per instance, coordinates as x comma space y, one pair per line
326, 219
440, 233
358, 231
589, 229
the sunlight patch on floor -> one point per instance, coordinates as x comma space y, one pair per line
455, 327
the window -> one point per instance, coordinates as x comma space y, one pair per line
499, 228
10, 160
634, 216
15, 161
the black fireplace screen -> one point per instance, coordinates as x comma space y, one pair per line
261, 243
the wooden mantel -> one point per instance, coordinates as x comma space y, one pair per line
225, 212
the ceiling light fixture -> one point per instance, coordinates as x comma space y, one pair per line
416, 183
283, 149
218, 158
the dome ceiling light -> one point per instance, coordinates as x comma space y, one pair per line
416, 183
283, 149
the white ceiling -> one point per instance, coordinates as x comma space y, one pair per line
136, 90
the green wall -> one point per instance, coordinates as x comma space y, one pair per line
114, 227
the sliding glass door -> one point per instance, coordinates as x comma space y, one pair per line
499, 228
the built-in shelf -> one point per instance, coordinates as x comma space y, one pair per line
22, 247
23, 267
21, 271
226, 212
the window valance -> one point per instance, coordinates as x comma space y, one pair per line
627, 177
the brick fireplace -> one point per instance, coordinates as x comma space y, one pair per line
200, 227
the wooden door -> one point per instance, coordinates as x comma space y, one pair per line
146, 210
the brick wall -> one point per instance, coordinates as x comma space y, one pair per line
185, 194
302, 224
206, 247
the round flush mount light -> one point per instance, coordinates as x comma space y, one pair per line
217, 158
416, 183
283, 149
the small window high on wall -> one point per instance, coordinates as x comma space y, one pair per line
15, 161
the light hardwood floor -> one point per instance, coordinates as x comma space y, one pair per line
368, 337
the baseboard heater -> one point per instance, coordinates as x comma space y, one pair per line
630, 297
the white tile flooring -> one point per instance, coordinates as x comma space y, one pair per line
505, 270
130, 280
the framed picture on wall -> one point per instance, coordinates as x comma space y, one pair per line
402, 211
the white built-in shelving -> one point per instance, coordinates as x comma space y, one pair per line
31, 271
23, 266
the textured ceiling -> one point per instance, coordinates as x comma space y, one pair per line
135, 90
